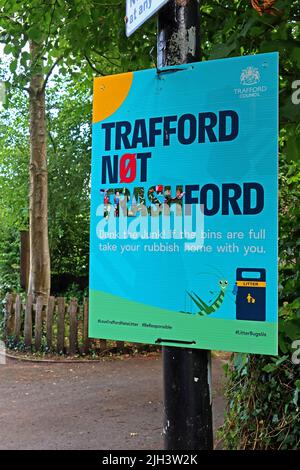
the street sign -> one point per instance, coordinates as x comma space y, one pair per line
183, 245
139, 11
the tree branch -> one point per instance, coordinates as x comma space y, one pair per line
50, 72
92, 65
109, 59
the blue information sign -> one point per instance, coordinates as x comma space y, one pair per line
184, 206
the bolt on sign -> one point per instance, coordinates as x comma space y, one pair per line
184, 206
139, 11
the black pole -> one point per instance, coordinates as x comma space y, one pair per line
187, 399
187, 372
178, 35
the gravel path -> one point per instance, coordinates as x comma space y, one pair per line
114, 404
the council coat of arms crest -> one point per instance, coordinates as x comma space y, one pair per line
250, 76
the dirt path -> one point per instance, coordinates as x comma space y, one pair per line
115, 404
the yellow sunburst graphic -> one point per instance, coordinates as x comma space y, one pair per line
109, 94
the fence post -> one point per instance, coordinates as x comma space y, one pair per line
49, 321
38, 323
60, 324
28, 322
17, 328
86, 340
73, 326
7, 314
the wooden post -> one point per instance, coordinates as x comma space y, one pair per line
86, 340
28, 322
103, 345
38, 323
60, 325
11, 317
73, 326
49, 321
24, 259
7, 315
17, 328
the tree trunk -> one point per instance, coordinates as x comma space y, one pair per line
39, 276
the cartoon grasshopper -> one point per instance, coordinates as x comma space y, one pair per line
206, 309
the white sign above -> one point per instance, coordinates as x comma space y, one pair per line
139, 11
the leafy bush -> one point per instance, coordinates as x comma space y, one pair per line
9, 261
263, 393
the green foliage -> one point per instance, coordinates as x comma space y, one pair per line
69, 154
74, 291
14, 156
289, 232
82, 37
263, 402
69, 151
9, 261
242, 31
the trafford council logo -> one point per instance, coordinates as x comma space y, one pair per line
250, 76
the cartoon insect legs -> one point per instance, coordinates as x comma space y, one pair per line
206, 309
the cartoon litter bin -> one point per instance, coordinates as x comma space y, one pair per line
251, 294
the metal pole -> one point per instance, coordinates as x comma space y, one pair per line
178, 35
187, 372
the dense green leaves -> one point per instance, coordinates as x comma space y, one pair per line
263, 405
68, 150
242, 31
263, 392
78, 35
14, 156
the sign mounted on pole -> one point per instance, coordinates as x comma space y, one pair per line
139, 11
184, 206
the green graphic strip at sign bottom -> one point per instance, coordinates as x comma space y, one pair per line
146, 324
